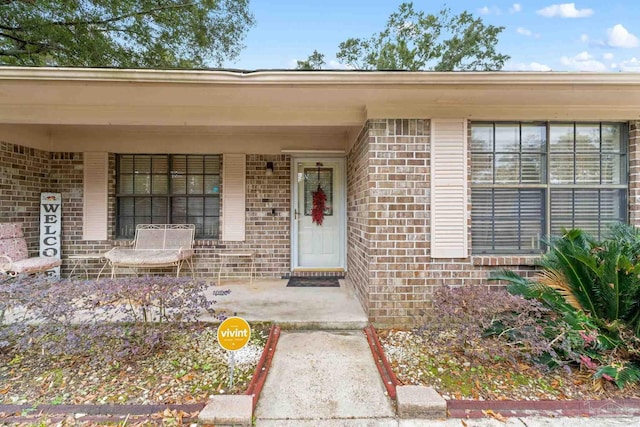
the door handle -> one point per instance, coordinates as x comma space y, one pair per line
295, 213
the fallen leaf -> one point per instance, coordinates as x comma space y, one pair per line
187, 377
495, 415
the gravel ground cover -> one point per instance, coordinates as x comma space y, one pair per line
418, 361
189, 368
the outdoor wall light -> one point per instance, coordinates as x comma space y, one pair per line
269, 170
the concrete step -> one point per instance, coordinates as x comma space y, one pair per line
360, 422
322, 375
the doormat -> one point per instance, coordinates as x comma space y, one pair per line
310, 282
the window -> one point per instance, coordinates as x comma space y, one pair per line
314, 178
530, 180
172, 189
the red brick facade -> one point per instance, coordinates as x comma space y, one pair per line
268, 206
359, 216
26, 172
389, 264
399, 275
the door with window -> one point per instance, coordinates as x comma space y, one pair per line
318, 240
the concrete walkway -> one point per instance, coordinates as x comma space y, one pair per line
486, 422
323, 374
318, 375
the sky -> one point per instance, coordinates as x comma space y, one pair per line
538, 36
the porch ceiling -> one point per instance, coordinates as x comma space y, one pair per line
200, 139
304, 100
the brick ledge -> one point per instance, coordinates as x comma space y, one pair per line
505, 260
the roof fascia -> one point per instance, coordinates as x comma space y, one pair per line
379, 78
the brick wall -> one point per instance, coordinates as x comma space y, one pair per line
66, 177
388, 204
268, 208
267, 233
26, 172
359, 217
23, 176
399, 203
401, 273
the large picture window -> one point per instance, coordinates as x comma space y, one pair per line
171, 189
530, 180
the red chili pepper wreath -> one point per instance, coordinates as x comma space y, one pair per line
319, 204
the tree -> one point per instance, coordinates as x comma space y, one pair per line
122, 33
315, 61
418, 41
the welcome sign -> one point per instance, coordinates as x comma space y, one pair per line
51, 227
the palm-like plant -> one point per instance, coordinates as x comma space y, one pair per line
600, 278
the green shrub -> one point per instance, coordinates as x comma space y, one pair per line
591, 283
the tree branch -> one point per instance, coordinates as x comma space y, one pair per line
5, 2
121, 17
24, 42
4, 27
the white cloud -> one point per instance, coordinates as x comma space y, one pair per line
583, 56
526, 32
515, 8
564, 10
620, 37
584, 38
493, 10
583, 62
608, 56
532, 66
631, 65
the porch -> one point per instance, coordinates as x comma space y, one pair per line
270, 300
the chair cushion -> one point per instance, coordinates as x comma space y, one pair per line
34, 265
14, 247
10, 229
143, 257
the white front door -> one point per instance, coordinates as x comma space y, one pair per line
320, 243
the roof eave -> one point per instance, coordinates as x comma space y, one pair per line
293, 77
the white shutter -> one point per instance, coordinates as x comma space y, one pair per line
233, 197
96, 177
449, 188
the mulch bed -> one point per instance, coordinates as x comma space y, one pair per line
457, 377
189, 369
